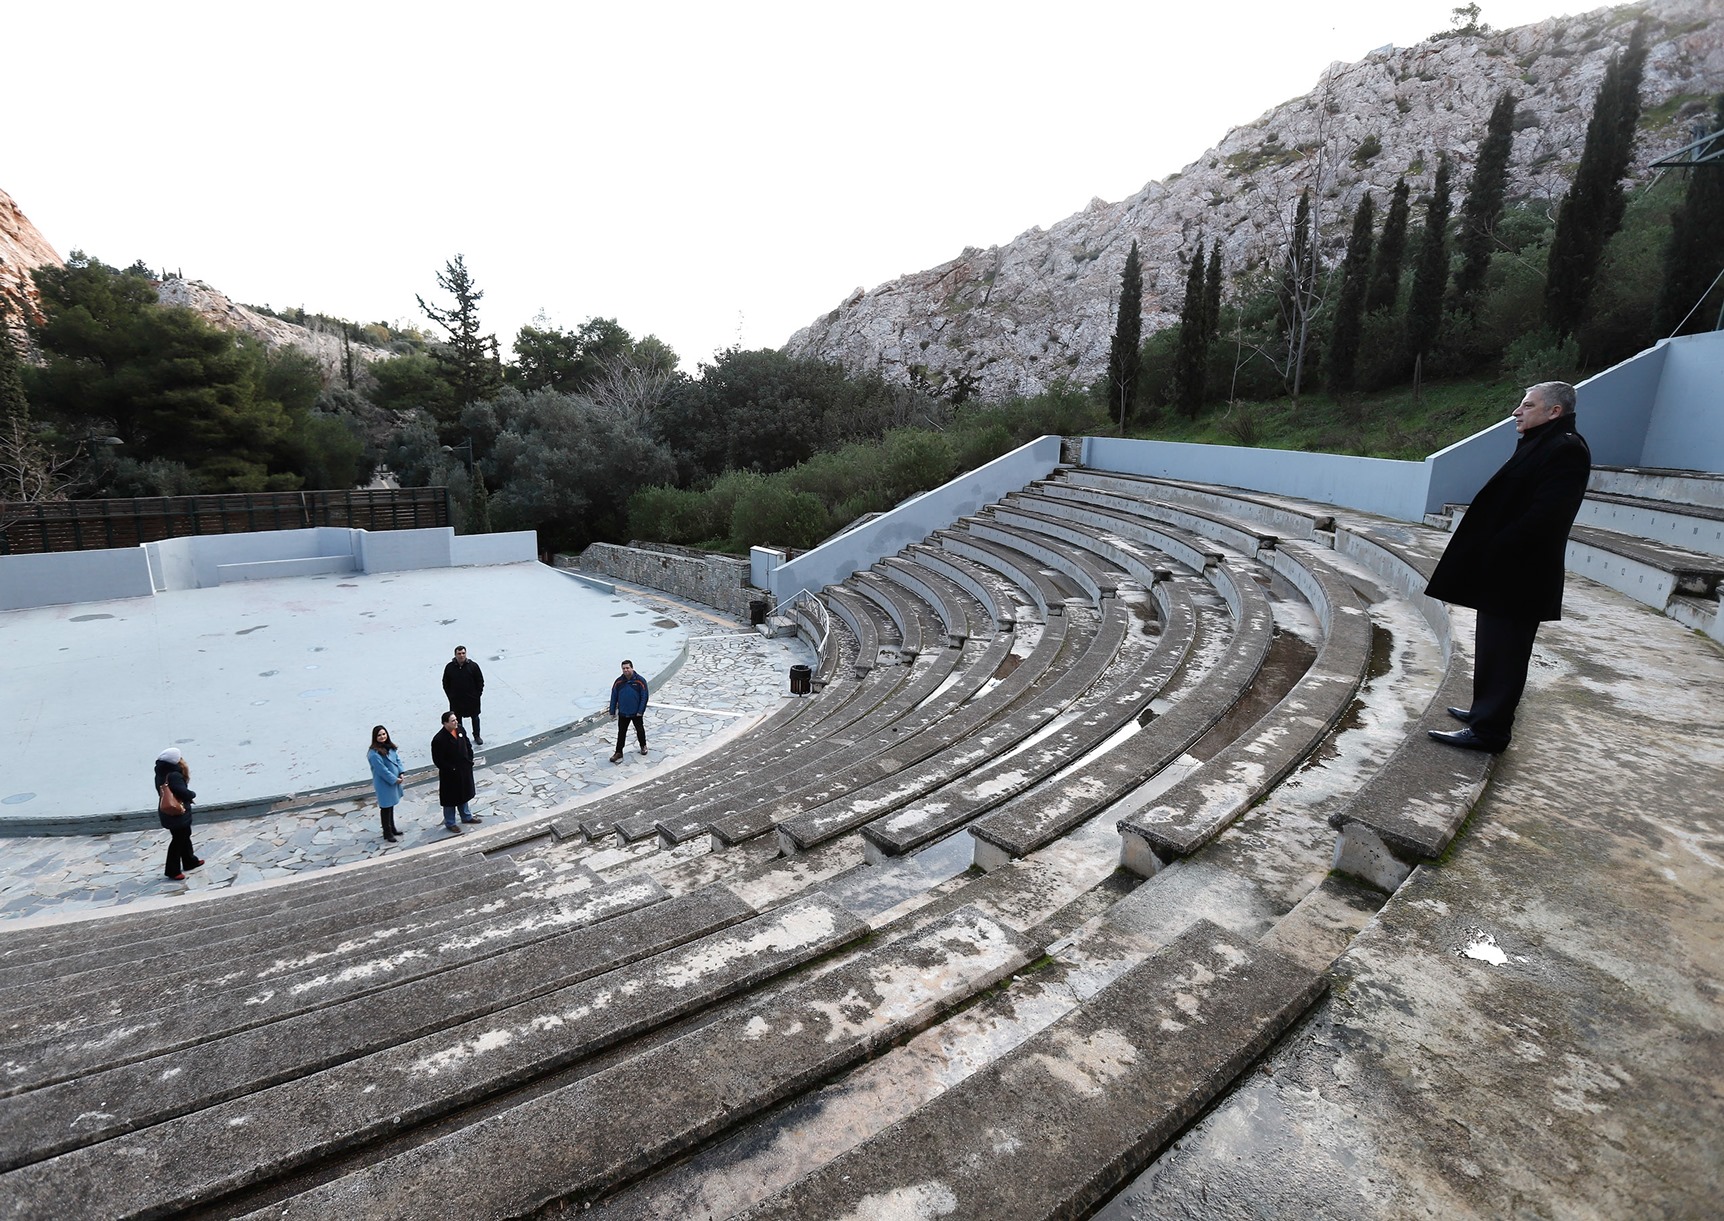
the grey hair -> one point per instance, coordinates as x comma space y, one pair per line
1555, 394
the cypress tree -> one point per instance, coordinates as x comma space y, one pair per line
1192, 358
1386, 271
1212, 293
1125, 357
1350, 311
1431, 272
1694, 255
1592, 210
14, 406
1484, 204
1296, 278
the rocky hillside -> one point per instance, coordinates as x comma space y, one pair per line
23, 249
323, 343
1040, 308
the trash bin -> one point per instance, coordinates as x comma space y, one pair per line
757, 612
801, 680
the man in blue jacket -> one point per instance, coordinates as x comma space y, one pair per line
628, 703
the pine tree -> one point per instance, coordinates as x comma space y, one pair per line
1694, 256
1431, 272
1386, 271
1212, 293
1192, 358
1592, 210
1350, 310
1475, 234
1125, 357
467, 359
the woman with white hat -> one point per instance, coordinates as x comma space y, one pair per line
172, 772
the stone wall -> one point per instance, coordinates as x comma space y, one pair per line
719, 581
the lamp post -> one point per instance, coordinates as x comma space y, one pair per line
466, 450
481, 499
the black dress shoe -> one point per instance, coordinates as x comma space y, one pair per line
1463, 715
1466, 739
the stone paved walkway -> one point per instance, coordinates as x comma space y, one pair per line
732, 678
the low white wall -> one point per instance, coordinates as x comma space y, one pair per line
60, 578
66, 577
1687, 427
911, 521
195, 562
517, 547
404, 550
1614, 408
1376, 485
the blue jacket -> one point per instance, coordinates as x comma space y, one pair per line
386, 772
628, 696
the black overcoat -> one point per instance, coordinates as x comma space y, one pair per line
171, 775
463, 684
1507, 555
453, 755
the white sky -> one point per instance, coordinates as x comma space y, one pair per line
711, 173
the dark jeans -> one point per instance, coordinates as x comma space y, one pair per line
638, 720
180, 853
1502, 653
477, 736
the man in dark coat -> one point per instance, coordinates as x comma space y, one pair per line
1506, 559
463, 684
453, 755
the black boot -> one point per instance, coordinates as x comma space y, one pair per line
389, 831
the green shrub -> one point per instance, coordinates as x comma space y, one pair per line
1540, 357
771, 514
915, 461
674, 515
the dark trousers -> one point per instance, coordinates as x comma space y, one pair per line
638, 720
180, 853
1502, 654
477, 736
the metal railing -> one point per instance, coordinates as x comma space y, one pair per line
814, 610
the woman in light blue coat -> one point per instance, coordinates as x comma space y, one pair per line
386, 778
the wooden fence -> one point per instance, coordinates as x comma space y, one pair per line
88, 525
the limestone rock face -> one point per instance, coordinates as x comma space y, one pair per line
22, 250
323, 344
1041, 308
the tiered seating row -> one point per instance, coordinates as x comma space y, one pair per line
422, 1074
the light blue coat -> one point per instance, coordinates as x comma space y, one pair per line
386, 778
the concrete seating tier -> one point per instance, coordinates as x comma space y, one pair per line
634, 1012
1196, 809
1410, 810
1113, 1081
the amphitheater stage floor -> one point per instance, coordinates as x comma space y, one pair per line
271, 687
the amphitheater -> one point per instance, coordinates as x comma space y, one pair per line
1108, 871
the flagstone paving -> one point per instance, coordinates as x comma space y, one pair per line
733, 677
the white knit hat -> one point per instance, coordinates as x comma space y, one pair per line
170, 755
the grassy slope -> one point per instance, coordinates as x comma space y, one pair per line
1389, 424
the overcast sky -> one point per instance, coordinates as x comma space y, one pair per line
710, 173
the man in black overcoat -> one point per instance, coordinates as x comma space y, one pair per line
464, 684
1506, 559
